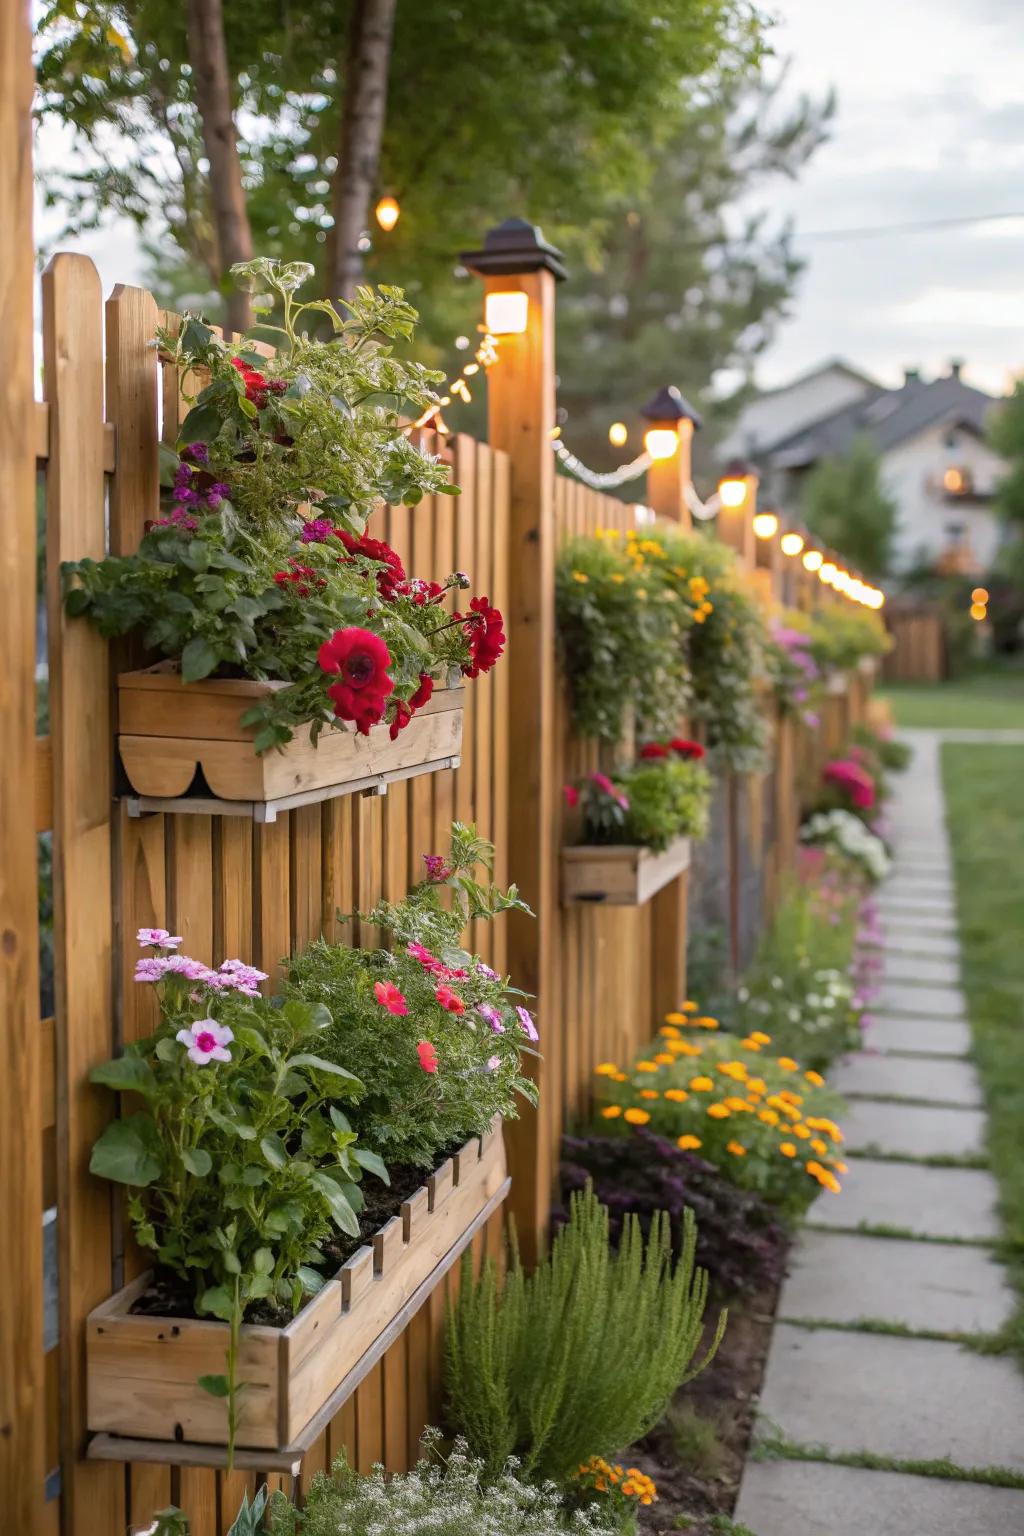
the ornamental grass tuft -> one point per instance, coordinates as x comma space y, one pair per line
581, 1357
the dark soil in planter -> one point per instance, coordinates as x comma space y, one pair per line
169, 1296
694, 1488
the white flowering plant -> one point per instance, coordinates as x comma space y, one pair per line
846, 835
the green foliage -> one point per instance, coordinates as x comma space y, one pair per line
441, 1496
648, 805
884, 753
582, 1356
842, 634
1006, 437
408, 1113
846, 505
620, 641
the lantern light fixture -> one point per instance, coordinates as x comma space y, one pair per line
506, 312
387, 212
766, 525
661, 442
791, 543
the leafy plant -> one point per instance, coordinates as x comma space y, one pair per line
620, 639
739, 1241
582, 1356
260, 565
847, 839
451, 1496
664, 796
434, 1033
842, 635
241, 1162
884, 753
792, 669
761, 1119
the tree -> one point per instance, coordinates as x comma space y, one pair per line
846, 505
1006, 437
365, 104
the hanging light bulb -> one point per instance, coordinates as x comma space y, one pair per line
791, 543
618, 433
387, 213
766, 525
813, 559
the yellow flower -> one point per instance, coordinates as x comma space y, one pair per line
736, 1148
698, 617
618, 578
701, 1084
789, 1097
769, 1116
683, 1048
677, 1095
611, 1111
750, 1044
819, 1146
704, 1022
829, 1181
734, 1069
787, 1148
669, 1030
738, 1106
688, 1143
580, 576
689, 1006
719, 1112
787, 1063
645, 1066
606, 1069
839, 1167
620, 1077
664, 1058
760, 1036
755, 1085
636, 1116
649, 1093
801, 1131
815, 1078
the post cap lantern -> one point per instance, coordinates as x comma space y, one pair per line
513, 247
669, 405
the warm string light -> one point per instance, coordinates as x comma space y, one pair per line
485, 357
596, 479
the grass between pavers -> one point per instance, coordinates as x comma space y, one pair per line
986, 701
985, 810
772, 1445
980, 1342
885, 1229
915, 1100
930, 1160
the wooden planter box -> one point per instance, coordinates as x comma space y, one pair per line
169, 729
142, 1371
620, 876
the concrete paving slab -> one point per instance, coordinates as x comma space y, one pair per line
929, 969
914, 907
779, 1498
929, 1202
928, 888
908, 943
925, 1001
936, 1081
905, 1398
847, 1279
899, 924
917, 1037
912, 1130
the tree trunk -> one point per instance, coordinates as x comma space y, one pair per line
362, 128
208, 55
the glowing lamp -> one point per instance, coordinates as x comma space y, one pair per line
387, 213
732, 493
791, 543
842, 581
953, 481
505, 314
813, 559
827, 572
766, 525
661, 442
979, 611
618, 432
979, 595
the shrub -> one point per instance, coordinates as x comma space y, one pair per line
849, 840
620, 639
237, 578
760, 1119
582, 1356
882, 753
435, 1035
792, 669
452, 1497
843, 635
662, 797
739, 1242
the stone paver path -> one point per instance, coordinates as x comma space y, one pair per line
905, 1253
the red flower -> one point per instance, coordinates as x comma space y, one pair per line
572, 795
375, 549
403, 714
437, 869
360, 659
684, 748
423, 692
257, 388
428, 961
389, 997
427, 1055
485, 635
603, 783
654, 749
301, 577
449, 1000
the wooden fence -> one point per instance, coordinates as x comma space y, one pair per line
919, 653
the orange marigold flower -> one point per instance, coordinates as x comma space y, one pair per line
736, 1148
787, 1148
611, 1111
769, 1116
645, 1066
819, 1146
815, 1078
636, 1116
706, 1022
675, 1018
755, 1085
669, 1030
801, 1131
760, 1036
719, 1112
677, 1095
664, 1058
701, 1084
738, 1106
688, 1143
649, 1093
750, 1044
606, 1068
689, 1006
839, 1167
787, 1063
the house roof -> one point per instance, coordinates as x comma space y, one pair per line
830, 365
885, 416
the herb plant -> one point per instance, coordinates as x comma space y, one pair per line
663, 797
260, 565
434, 1033
582, 1356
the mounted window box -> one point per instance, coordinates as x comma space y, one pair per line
144, 1397
620, 876
181, 744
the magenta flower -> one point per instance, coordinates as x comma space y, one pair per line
158, 938
150, 969
526, 1020
485, 970
206, 1041
493, 1063
450, 1001
490, 1013
437, 869
390, 997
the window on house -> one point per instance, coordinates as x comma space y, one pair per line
957, 481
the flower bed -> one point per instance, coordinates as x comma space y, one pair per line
144, 1371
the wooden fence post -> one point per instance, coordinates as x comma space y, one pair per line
22, 1433
668, 477
516, 259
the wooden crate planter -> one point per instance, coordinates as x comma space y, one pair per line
144, 1400
170, 730
620, 876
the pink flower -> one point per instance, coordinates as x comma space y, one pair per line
603, 783
428, 961
158, 938
192, 970
449, 1000
437, 869
490, 1013
427, 1055
206, 1041
389, 997
151, 969
526, 1020
572, 796
493, 1063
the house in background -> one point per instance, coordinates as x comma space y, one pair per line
929, 436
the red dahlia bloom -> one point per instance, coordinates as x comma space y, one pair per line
654, 749
684, 748
485, 636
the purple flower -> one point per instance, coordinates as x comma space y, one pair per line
197, 452
217, 493
184, 965
812, 720
485, 970
437, 869
526, 1020
206, 1041
493, 1063
159, 938
151, 969
187, 496
490, 1013
318, 531
236, 976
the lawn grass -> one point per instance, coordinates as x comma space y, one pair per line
985, 807
984, 701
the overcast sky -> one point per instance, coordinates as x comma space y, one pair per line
930, 125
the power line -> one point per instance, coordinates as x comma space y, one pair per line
919, 226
